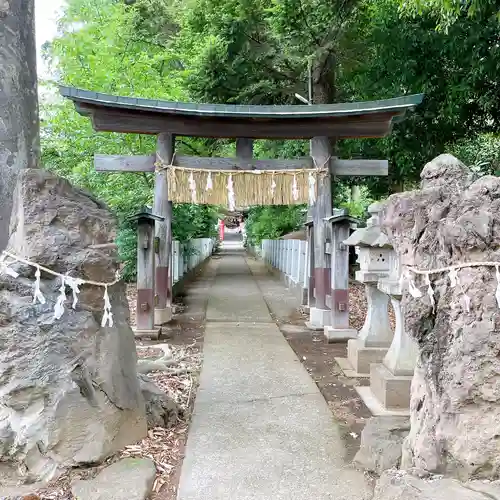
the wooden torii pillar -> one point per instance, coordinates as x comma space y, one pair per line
319, 314
162, 208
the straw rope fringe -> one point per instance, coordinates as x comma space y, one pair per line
251, 187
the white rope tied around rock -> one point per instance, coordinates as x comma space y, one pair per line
454, 280
430, 291
107, 318
38, 295
4, 267
61, 299
72, 282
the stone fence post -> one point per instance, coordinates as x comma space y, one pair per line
338, 329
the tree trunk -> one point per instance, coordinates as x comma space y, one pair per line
19, 125
323, 92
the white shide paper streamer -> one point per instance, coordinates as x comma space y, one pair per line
66, 281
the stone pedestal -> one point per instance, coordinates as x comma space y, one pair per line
390, 381
333, 334
163, 315
393, 391
318, 319
374, 338
359, 358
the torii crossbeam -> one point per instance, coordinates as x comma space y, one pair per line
319, 123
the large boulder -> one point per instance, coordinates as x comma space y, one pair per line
455, 400
381, 443
69, 392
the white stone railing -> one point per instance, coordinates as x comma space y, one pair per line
290, 257
188, 256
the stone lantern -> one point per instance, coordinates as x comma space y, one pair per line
374, 254
390, 379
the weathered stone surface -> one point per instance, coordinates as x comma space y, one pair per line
399, 485
128, 479
19, 128
161, 410
381, 443
455, 405
69, 392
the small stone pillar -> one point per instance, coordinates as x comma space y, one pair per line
376, 335
146, 243
338, 330
390, 381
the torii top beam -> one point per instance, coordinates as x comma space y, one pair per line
111, 113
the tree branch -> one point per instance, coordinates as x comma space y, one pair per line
306, 22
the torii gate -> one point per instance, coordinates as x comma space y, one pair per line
320, 123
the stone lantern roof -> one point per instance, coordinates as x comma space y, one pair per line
371, 235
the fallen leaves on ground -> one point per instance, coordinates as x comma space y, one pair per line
164, 446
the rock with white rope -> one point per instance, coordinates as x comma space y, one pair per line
447, 236
69, 388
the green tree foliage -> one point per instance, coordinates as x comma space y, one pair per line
456, 70
259, 51
481, 153
273, 222
96, 49
448, 11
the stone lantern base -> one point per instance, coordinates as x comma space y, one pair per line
388, 394
359, 358
339, 334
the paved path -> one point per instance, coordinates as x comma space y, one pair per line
261, 430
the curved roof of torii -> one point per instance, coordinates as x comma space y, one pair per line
151, 116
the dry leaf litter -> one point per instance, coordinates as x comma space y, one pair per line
163, 446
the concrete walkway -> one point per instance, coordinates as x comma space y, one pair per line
261, 430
